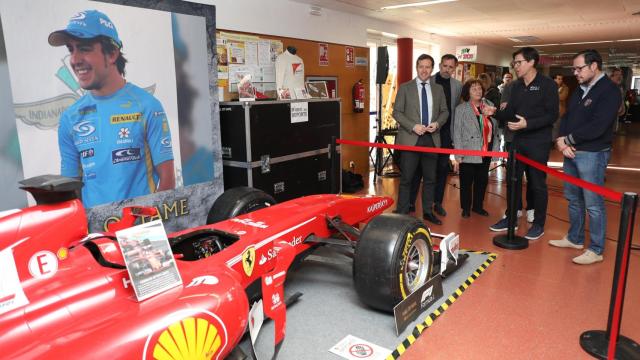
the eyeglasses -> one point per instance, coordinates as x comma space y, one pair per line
517, 63
578, 68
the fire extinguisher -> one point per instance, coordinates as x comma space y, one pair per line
358, 97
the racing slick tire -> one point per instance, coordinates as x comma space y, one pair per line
238, 201
393, 258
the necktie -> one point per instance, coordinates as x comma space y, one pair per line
425, 105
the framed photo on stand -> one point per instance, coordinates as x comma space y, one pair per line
317, 89
331, 83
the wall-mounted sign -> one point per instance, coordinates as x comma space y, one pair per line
349, 56
467, 53
324, 54
361, 61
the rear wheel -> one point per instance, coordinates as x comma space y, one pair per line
238, 201
393, 258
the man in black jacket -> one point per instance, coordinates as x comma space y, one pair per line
530, 113
586, 135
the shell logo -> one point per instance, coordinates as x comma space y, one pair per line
199, 336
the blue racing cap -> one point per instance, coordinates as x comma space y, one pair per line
87, 24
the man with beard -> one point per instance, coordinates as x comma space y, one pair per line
116, 137
586, 135
452, 88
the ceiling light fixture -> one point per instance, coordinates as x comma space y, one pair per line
579, 43
422, 3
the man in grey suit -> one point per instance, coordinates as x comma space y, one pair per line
452, 89
421, 110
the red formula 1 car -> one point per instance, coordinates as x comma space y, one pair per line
67, 294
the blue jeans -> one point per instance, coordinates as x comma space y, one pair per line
588, 166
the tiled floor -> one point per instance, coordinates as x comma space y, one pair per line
533, 303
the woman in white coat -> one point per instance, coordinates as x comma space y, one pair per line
474, 129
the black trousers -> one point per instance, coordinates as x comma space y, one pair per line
442, 173
409, 164
473, 184
529, 193
537, 179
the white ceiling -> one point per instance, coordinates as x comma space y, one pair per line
495, 21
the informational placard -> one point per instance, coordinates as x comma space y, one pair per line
11, 293
299, 112
149, 259
247, 53
354, 348
420, 300
349, 56
323, 54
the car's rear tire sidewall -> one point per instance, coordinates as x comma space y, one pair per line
238, 201
392, 251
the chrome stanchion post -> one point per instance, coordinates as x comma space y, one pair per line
511, 241
610, 344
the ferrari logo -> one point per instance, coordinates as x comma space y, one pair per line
248, 260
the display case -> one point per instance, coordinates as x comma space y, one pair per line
284, 152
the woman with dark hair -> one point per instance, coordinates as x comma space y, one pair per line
491, 91
474, 129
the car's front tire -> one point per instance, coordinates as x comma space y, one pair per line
393, 258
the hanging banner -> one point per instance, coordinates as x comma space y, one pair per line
467, 53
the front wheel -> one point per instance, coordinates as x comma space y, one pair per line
393, 258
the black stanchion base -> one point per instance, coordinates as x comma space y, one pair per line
515, 243
596, 343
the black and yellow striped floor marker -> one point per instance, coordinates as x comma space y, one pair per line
420, 328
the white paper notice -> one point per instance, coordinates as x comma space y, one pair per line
299, 112
354, 348
251, 52
264, 52
268, 73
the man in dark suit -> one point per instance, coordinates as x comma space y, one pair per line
421, 110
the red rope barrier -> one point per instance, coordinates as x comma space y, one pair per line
426, 149
601, 190
606, 192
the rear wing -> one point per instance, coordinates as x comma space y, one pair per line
49, 189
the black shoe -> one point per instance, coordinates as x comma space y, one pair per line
439, 209
465, 214
482, 212
432, 218
412, 208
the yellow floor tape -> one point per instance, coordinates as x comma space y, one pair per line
428, 321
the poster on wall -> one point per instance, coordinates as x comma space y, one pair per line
137, 126
349, 56
323, 52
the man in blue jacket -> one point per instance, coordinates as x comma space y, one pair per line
586, 134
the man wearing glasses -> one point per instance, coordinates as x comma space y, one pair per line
586, 134
530, 113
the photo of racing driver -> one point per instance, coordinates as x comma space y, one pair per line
116, 137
